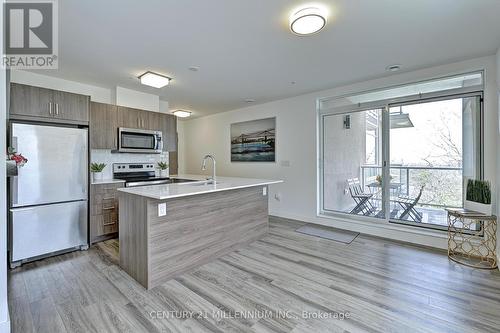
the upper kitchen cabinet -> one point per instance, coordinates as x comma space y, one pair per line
103, 126
169, 130
133, 118
30, 101
69, 106
154, 121
35, 103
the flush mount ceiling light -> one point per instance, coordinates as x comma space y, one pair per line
307, 20
154, 80
181, 113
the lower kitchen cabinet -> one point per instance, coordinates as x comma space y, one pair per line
103, 211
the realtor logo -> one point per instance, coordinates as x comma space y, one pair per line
30, 34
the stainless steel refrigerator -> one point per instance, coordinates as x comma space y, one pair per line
48, 197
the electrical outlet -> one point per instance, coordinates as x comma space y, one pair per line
162, 209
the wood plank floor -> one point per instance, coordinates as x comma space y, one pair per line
378, 285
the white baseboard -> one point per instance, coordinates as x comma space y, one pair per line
426, 237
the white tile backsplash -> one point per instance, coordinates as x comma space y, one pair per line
107, 157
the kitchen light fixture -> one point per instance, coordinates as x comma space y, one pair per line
154, 80
181, 113
307, 20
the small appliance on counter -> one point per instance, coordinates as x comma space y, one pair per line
141, 174
48, 196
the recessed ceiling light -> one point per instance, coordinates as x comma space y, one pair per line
307, 20
154, 80
393, 68
249, 100
194, 68
181, 113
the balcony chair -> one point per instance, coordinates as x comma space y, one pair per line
362, 200
408, 204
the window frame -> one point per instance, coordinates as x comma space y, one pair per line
385, 105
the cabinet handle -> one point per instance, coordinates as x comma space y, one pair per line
108, 208
50, 108
108, 198
57, 109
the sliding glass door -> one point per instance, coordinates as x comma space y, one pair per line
433, 146
352, 163
401, 155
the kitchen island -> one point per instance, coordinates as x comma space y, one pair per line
166, 230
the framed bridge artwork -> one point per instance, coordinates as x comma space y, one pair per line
254, 141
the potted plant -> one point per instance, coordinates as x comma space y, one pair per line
478, 196
163, 167
378, 179
96, 169
14, 161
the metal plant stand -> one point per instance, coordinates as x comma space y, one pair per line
472, 238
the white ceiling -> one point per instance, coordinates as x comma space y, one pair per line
245, 50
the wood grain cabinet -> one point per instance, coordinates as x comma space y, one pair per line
35, 103
69, 106
103, 211
169, 130
133, 118
103, 126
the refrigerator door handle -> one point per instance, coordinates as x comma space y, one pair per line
13, 185
13, 179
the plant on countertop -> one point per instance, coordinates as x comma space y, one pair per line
12, 155
479, 191
97, 167
162, 165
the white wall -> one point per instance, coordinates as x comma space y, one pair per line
296, 142
4, 311
137, 99
97, 94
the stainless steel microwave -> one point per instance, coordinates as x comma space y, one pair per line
133, 140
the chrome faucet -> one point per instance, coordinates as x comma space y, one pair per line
204, 166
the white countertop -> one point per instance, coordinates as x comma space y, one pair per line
107, 181
168, 191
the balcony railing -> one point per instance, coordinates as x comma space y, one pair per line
442, 185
